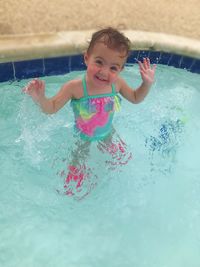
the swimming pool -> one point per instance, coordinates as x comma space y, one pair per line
146, 213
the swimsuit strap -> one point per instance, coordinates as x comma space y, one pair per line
85, 93
113, 88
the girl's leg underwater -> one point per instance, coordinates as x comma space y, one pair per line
116, 148
78, 172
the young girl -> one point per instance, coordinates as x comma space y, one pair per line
95, 98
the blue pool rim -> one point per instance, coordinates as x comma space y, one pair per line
19, 70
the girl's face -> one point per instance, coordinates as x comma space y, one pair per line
103, 65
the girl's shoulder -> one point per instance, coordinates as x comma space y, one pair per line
118, 84
75, 83
76, 88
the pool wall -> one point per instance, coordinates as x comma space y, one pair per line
28, 56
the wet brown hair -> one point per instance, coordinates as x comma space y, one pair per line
112, 38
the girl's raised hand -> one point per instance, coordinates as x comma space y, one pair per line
147, 72
36, 89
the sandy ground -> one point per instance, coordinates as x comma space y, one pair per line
36, 16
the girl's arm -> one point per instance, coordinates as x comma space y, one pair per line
147, 74
36, 89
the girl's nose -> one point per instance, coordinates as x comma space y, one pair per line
105, 70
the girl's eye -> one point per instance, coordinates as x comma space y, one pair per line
98, 62
114, 68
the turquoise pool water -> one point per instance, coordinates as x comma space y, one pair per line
143, 214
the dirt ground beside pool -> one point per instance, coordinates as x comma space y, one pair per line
35, 16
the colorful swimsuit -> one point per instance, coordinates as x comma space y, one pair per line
94, 114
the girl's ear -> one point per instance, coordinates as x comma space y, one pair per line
86, 58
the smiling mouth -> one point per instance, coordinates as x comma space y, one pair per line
101, 79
